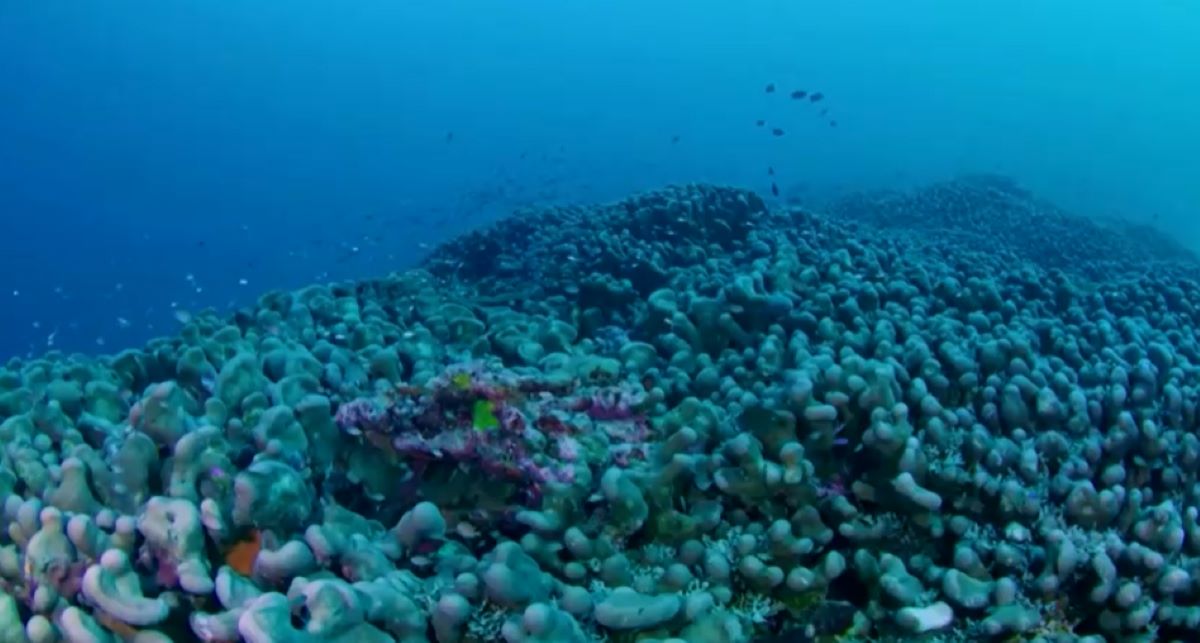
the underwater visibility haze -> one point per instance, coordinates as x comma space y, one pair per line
566, 322
146, 143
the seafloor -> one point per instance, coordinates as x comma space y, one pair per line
951, 414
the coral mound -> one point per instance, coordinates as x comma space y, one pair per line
680, 417
993, 212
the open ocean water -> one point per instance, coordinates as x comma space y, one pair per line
628, 321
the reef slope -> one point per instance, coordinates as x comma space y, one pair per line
956, 413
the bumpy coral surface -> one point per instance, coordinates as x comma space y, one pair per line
956, 414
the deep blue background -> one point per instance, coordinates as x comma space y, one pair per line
144, 142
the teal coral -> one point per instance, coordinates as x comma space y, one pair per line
715, 422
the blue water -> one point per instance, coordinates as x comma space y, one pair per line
163, 157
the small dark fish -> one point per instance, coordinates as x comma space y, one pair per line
770, 88
770, 171
833, 123
799, 94
824, 112
774, 189
201, 243
449, 137
777, 132
760, 122
675, 139
816, 97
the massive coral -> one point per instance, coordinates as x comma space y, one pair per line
680, 417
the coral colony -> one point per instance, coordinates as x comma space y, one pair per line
954, 414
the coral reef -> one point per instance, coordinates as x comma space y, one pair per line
680, 417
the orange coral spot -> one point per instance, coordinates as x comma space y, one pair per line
125, 631
240, 557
